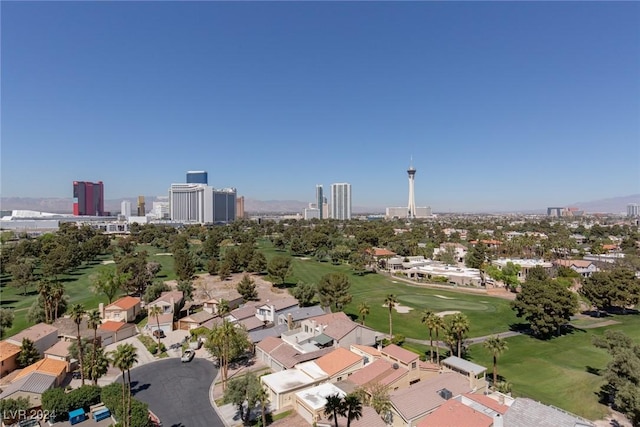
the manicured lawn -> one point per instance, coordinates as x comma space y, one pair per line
563, 371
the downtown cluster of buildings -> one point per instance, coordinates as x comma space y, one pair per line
340, 207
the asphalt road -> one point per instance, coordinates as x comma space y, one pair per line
178, 393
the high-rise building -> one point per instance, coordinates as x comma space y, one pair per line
633, 209
88, 198
341, 201
160, 208
319, 200
240, 207
142, 210
202, 204
197, 177
125, 208
411, 209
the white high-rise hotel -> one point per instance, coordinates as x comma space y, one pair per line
202, 204
341, 201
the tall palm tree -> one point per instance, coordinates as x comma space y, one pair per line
459, 326
77, 314
496, 347
263, 398
94, 321
353, 407
391, 302
334, 407
364, 310
56, 295
124, 358
427, 316
44, 289
437, 323
156, 311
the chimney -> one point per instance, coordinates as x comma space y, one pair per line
498, 421
173, 304
101, 310
289, 321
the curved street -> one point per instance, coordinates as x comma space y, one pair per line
178, 393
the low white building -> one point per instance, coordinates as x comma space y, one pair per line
525, 265
310, 403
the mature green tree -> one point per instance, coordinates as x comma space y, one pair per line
391, 301
334, 408
546, 305
93, 322
244, 391
247, 288
432, 321
224, 270
510, 275
333, 289
353, 407
476, 255
363, 311
459, 325
305, 293
55, 402
28, 353
226, 342
617, 288
212, 266
186, 287
184, 264
6, 320
496, 347
378, 397
622, 373
278, 243
279, 267
22, 272
232, 258
258, 263
77, 315
109, 283
448, 256
154, 291
8, 407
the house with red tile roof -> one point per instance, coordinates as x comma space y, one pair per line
111, 332
339, 364
123, 310
8, 357
333, 329
279, 356
456, 413
370, 354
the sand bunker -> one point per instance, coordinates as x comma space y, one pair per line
447, 313
165, 254
402, 309
109, 261
443, 297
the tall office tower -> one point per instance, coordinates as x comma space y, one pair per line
240, 207
341, 201
88, 198
411, 209
125, 208
633, 209
142, 211
325, 208
197, 177
319, 199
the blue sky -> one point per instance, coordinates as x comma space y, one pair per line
503, 105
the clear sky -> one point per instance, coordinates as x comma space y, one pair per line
503, 105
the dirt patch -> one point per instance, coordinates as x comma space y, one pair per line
207, 287
165, 254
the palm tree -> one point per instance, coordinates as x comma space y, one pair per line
77, 314
44, 289
459, 326
56, 295
123, 358
263, 398
363, 310
223, 307
156, 311
334, 407
427, 316
353, 407
496, 347
93, 321
437, 323
391, 302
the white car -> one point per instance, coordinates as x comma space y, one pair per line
187, 356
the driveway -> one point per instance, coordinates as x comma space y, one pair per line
178, 393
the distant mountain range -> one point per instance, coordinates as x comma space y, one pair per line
65, 205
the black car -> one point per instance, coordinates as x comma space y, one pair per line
158, 333
76, 375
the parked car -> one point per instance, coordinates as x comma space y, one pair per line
76, 375
158, 333
188, 354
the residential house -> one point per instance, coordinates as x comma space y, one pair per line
170, 303
279, 356
112, 332
293, 317
258, 335
381, 372
268, 312
474, 372
333, 329
60, 352
35, 379
525, 265
459, 251
8, 357
42, 335
310, 403
369, 354
455, 413
489, 243
369, 418
243, 312
232, 298
281, 386
584, 268
195, 320
126, 309
410, 405
528, 412
339, 364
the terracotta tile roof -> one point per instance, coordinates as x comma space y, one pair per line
423, 397
244, 312
34, 333
399, 353
373, 372
487, 242
394, 376
124, 303
8, 350
111, 326
366, 349
45, 366
61, 349
288, 356
251, 323
380, 252
280, 304
609, 247
199, 317
488, 402
579, 263
269, 344
455, 413
337, 361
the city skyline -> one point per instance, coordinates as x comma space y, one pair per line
502, 105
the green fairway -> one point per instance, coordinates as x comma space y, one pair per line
563, 371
